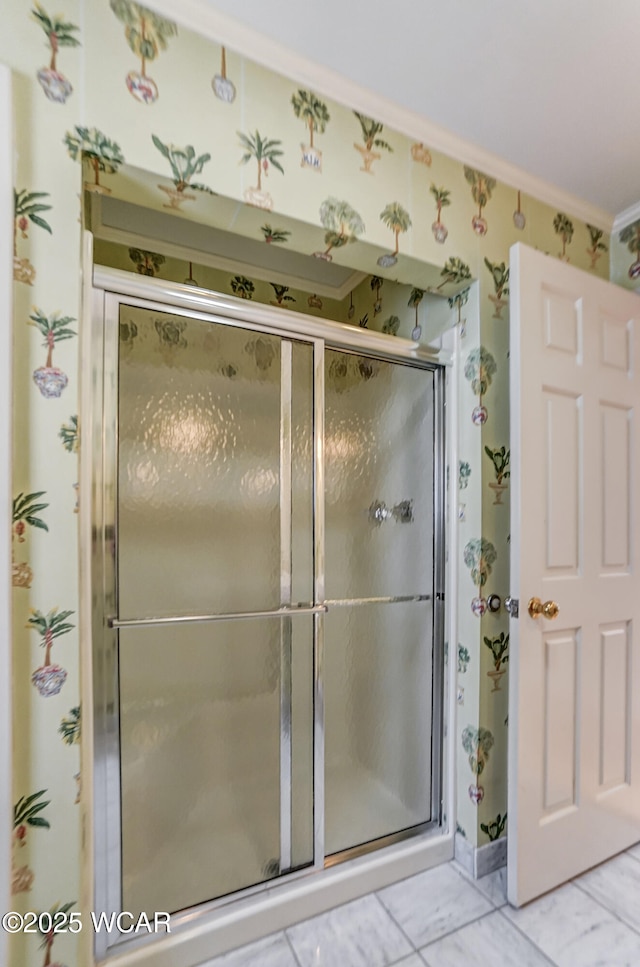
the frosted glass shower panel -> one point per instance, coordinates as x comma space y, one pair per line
379, 444
201, 473
200, 733
378, 713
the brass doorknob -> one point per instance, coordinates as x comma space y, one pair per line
549, 609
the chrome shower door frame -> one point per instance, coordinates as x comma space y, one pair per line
111, 289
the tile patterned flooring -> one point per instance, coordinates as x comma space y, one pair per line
443, 918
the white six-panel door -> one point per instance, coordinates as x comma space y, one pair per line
574, 708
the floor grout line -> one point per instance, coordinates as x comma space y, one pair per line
291, 947
528, 939
450, 933
613, 913
393, 920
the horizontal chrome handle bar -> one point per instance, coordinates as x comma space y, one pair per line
203, 618
354, 602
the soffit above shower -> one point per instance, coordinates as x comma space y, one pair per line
121, 221
139, 208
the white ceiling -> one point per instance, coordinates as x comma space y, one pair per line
550, 85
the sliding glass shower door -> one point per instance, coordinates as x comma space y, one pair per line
215, 507
269, 661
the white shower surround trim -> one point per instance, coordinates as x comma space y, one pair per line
253, 917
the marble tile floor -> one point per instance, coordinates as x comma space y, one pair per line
443, 918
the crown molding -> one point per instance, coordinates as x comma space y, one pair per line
199, 16
626, 217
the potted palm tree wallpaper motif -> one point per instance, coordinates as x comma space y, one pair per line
398, 220
265, 152
343, 225
442, 200
500, 460
494, 829
147, 35
184, 165
498, 646
190, 279
223, 88
500, 278
271, 235
630, 236
416, 297
101, 153
519, 219
27, 207
27, 812
49, 678
315, 115
48, 378
454, 271
421, 154
464, 472
479, 556
280, 292
370, 130
463, 659
146, 263
564, 228
481, 187
376, 285
242, 286
26, 508
477, 743
598, 247
69, 435
59, 33
479, 369
69, 728
52, 917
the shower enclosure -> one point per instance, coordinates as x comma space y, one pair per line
268, 585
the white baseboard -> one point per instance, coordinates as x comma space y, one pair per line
478, 861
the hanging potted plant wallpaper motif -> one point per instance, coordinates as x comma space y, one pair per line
26, 508
479, 369
223, 88
147, 35
184, 165
519, 219
479, 556
27, 208
477, 743
442, 200
59, 33
49, 678
315, 115
481, 187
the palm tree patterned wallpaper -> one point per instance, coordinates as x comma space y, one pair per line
116, 84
